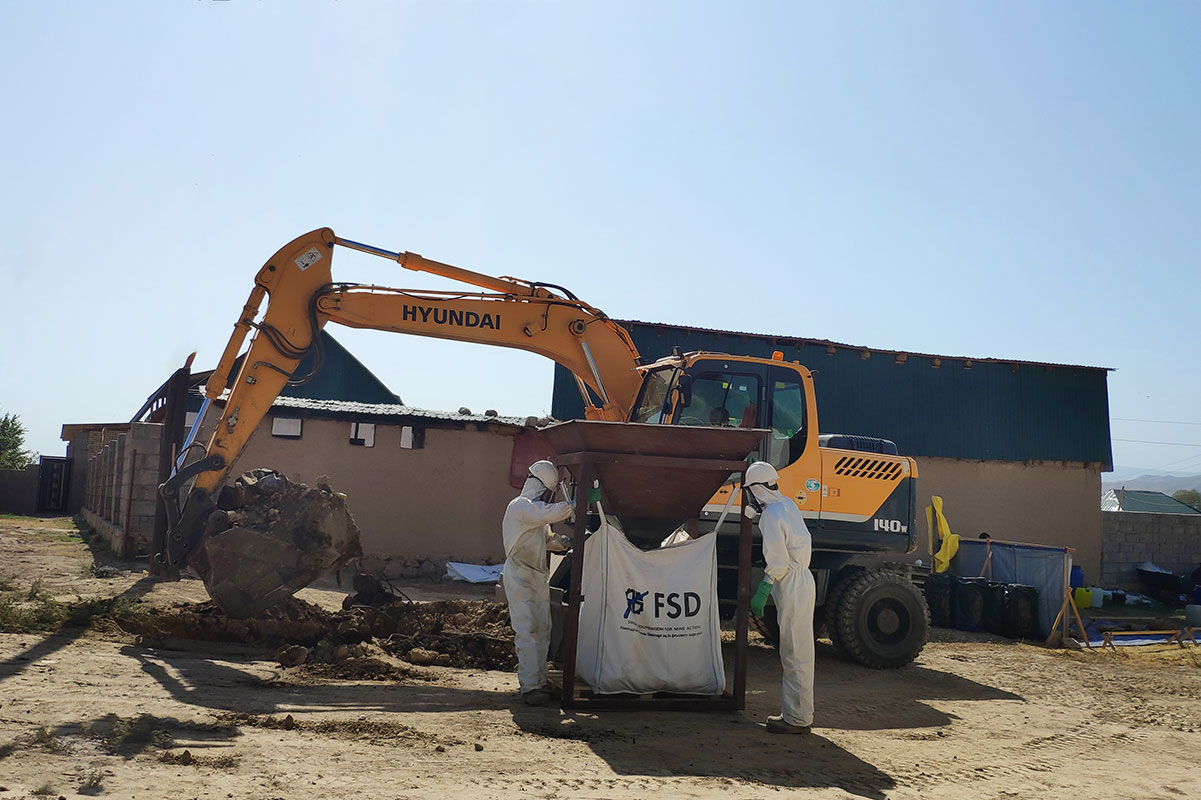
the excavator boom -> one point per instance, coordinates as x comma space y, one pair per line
302, 298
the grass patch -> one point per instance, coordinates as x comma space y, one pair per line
46, 523
37, 611
93, 783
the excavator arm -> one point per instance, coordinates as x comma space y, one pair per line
302, 298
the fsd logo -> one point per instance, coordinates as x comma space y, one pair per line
672, 605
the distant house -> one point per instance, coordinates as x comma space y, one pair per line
424, 486
1139, 526
1144, 501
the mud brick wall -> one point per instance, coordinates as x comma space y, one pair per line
1128, 538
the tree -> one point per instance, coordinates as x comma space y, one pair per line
13, 454
1190, 497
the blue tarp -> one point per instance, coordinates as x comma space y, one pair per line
1042, 567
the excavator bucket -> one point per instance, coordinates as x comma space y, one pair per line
270, 537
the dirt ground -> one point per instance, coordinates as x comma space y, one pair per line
102, 711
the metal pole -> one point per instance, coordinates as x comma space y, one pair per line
571, 621
742, 614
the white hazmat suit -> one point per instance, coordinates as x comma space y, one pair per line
787, 548
525, 528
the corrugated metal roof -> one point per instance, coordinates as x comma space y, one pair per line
1144, 501
347, 408
939, 406
797, 341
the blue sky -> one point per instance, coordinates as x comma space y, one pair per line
1009, 180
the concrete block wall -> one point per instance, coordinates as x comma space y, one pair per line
122, 488
1128, 538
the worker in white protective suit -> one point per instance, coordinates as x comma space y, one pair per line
787, 548
526, 528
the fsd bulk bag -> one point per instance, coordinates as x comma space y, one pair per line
648, 620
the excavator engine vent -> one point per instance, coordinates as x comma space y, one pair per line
872, 468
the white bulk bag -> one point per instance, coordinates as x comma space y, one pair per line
648, 620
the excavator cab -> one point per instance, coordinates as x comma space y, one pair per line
714, 390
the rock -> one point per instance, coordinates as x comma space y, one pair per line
464, 411
427, 658
439, 749
292, 655
491, 413
185, 757
289, 723
478, 747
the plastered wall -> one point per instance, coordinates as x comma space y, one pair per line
1051, 503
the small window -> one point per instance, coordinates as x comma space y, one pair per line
412, 438
286, 427
362, 434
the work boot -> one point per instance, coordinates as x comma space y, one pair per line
536, 697
776, 724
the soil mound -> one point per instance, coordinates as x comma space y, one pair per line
456, 633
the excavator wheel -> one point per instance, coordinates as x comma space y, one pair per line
881, 620
823, 618
827, 617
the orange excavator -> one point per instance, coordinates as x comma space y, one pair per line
857, 493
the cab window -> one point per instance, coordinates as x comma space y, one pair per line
721, 400
788, 422
654, 400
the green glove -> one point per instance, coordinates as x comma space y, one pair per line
759, 601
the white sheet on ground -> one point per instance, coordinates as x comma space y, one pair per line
473, 573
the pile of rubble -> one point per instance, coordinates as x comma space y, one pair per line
270, 537
453, 633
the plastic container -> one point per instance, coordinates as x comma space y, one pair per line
1021, 612
940, 597
1098, 597
1076, 579
969, 603
994, 608
1082, 597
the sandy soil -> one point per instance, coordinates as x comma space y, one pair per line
103, 713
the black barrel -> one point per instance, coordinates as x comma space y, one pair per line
940, 597
1021, 612
969, 603
994, 608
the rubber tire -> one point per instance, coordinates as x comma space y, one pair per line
821, 616
859, 615
828, 616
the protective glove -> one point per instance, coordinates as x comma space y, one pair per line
759, 601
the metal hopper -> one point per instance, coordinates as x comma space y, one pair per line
653, 478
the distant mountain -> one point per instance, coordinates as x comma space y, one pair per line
1151, 480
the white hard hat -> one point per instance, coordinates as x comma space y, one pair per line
762, 473
546, 472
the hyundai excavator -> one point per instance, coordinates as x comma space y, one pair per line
857, 493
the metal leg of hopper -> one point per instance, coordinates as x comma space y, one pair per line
571, 620
742, 613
